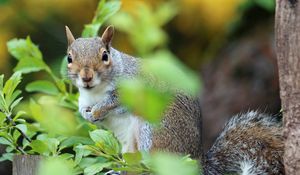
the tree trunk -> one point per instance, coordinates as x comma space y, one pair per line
287, 28
25, 164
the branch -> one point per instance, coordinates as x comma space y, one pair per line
21, 150
14, 124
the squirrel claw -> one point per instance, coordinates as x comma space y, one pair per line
88, 115
112, 172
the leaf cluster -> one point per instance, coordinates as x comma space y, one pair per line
50, 125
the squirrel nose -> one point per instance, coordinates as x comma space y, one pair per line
87, 79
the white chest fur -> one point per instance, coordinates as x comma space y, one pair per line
125, 127
90, 97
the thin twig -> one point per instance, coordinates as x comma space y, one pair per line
14, 124
21, 150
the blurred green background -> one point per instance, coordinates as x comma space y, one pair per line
196, 28
228, 43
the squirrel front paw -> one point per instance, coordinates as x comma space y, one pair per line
88, 115
98, 114
112, 172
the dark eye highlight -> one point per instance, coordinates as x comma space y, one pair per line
69, 58
104, 56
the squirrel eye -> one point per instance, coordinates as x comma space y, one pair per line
104, 56
69, 58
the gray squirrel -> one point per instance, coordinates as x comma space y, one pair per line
250, 143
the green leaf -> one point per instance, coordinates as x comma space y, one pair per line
32, 129
1, 82
19, 114
52, 145
7, 156
4, 141
15, 94
42, 137
91, 30
106, 142
147, 34
66, 156
21, 120
103, 12
22, 127
87, 161
95, 168
80, 153
7, 137
167, 11
9, 149
28, 65
75, 140
3, 105
47, 145
29, 56
2, 118
21, 48
40, 147
55, 165
165, 69
123, 22
61, 85
69, 102
144, 100
167, 164
64, 67
16, 134
132, 158
107, 9
36, 110
15, 103
11, 85
42, 86
49, 115
9, 93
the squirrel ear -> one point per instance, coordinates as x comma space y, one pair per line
108, 35
70, 36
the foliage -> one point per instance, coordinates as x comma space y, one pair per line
147, 34
103, 12
51, 126
159, 66
265, 4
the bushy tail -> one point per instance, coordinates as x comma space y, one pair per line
250, 143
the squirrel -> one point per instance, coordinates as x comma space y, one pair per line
250, 143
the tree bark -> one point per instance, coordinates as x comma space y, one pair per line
287, 28
25, 164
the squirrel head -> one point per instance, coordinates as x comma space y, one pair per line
89, 59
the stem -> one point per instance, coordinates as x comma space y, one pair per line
14, 124
70, 88
120, 161
20, 149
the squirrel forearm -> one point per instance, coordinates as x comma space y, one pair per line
100, 109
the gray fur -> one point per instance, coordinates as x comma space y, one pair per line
145, 137
253, 138
250, 142
180, 129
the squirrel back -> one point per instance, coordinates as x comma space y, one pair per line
250, 143
180, 130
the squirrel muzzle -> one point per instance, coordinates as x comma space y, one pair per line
86, 75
